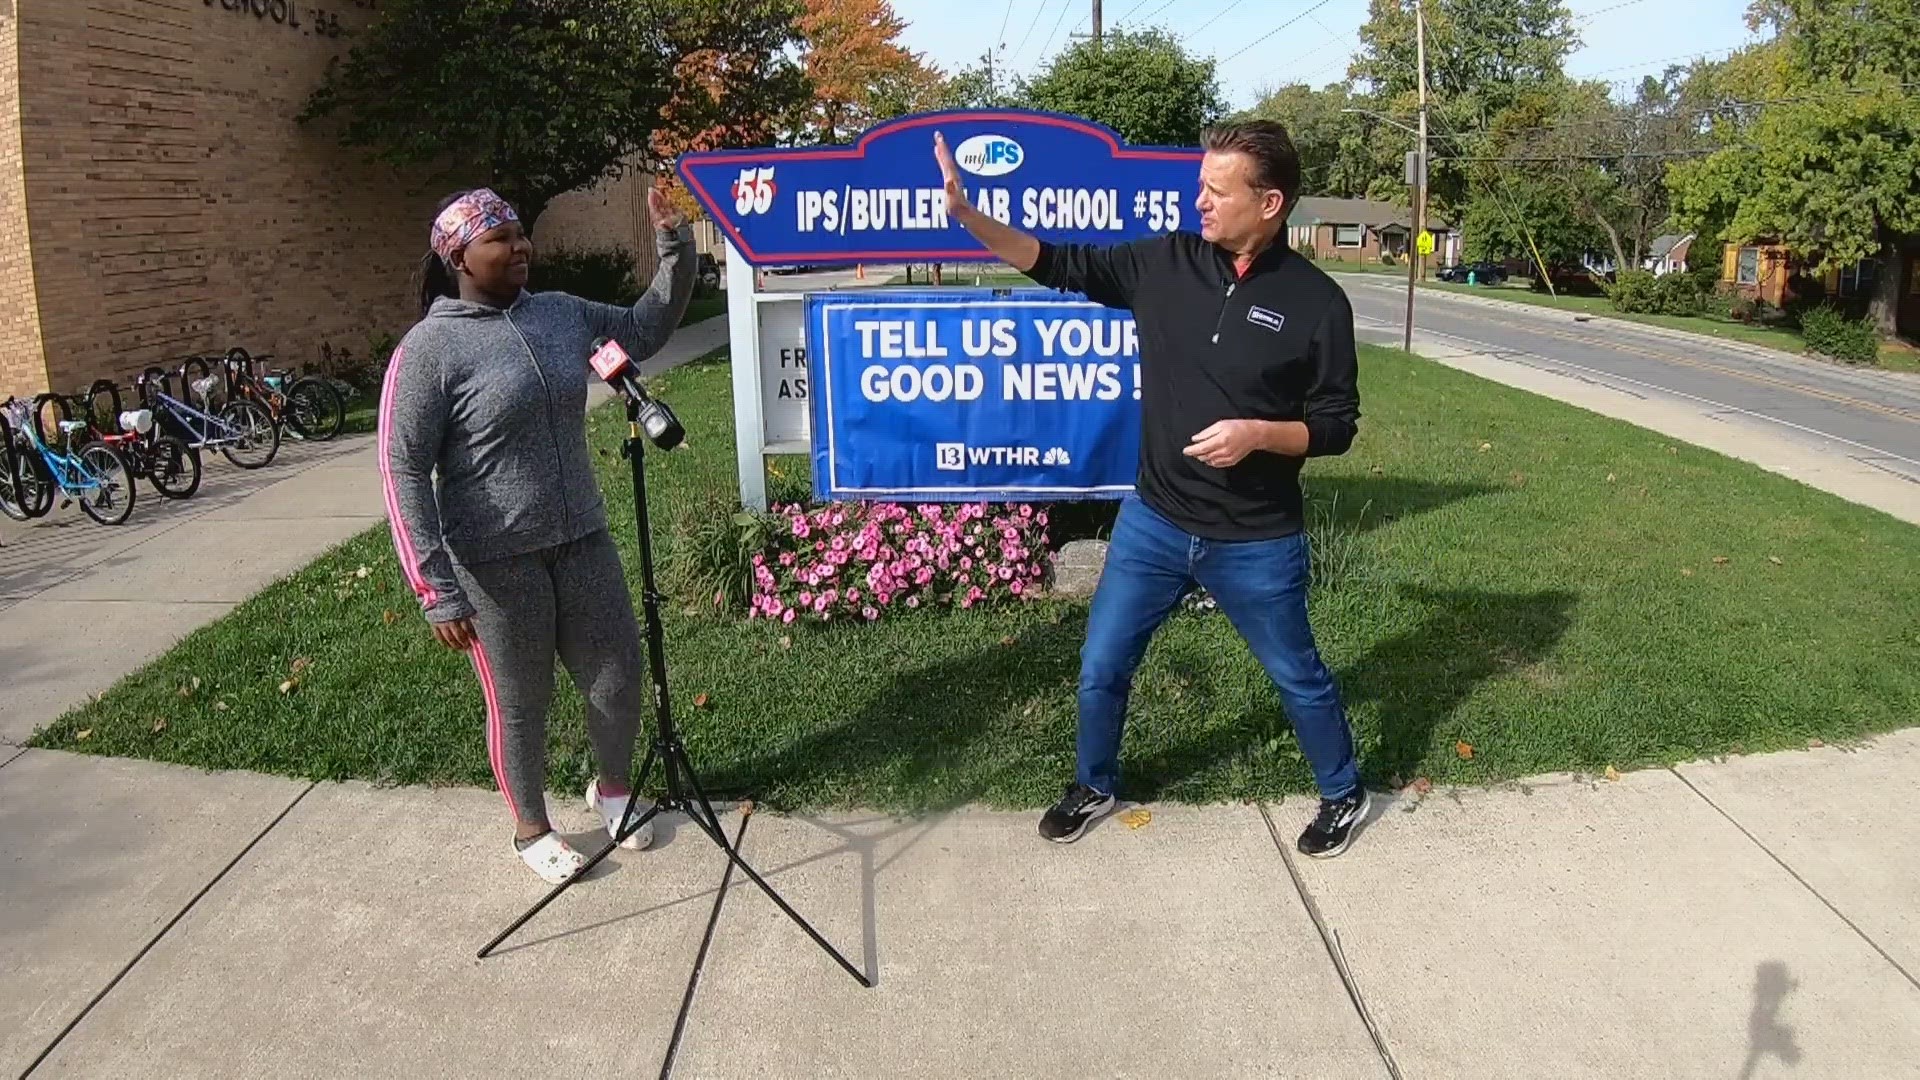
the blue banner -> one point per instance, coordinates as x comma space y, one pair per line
1058, 177
972, 394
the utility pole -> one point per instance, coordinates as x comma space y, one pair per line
1416, 261
1096, 22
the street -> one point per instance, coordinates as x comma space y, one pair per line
1870, 417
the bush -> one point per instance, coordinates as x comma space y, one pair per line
1634, 292
860, 560
1705, 279
603, 276
710, 550
1639, 291
1830, 331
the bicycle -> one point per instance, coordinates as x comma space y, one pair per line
239, 430
26, 488
310, 406
96, 475
165, 461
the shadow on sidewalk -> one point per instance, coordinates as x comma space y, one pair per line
1766, 1035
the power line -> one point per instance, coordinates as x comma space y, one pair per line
1152, 13
1682, 114
1056, 28
1623, 156
1001, 37
1592, 15
1216, 18
1249, 45
1129, 14
1652, 63
1038, 12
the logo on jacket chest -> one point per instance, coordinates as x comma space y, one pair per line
1260, 316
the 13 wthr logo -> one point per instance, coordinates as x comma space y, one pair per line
955, 457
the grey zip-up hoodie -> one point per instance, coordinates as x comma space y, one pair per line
494, 401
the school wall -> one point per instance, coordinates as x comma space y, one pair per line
174, 206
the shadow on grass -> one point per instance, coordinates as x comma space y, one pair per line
932, 730
951, 731
1417, 679
1413, 680
1352, 503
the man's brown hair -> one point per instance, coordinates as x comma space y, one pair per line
1276, 164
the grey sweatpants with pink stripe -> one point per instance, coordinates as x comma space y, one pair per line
571, 600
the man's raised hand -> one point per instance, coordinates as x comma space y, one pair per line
950, 173
1013, 247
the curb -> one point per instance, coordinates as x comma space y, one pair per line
1760, 352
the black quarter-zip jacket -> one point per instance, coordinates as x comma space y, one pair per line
1273, 344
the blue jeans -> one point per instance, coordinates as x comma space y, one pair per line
1260, 585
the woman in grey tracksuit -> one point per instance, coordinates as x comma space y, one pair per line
509, 551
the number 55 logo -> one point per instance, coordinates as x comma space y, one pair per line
753, 192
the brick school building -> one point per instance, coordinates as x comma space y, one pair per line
159, 200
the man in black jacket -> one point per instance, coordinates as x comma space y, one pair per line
1247, 369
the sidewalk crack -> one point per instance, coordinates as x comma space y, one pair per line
163, 931
1795, 874
1330, 938
700, 958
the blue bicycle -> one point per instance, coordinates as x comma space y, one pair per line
241, 429
96, 475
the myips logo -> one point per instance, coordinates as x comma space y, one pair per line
989, 155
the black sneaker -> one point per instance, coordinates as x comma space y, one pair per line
1333, 827
1076, 810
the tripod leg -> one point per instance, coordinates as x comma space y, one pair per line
710, 825
633, 796
606, 849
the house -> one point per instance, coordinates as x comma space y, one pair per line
1668, 254
1767, 271
1363, 231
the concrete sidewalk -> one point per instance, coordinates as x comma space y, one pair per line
82, 605
1756, 918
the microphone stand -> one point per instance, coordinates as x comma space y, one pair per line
666, 747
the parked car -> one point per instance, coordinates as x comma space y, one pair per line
707, 271
1484, 273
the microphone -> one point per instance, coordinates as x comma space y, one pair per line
613, 365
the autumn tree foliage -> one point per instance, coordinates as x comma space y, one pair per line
859, 71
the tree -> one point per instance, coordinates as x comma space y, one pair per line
532, 99
976, 87
1141, 84
1510, 217
860, 72
1610, 158
1341, 153
1830, 163
1483, 56
735, 83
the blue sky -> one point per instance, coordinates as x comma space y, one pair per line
1622, 40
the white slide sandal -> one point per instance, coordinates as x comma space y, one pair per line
551, 857
611, 810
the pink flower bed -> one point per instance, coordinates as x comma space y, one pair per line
860, 561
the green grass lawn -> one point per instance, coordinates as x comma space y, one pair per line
701, 308
1893, 355
1555, 589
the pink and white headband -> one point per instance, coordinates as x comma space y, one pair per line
467, 218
